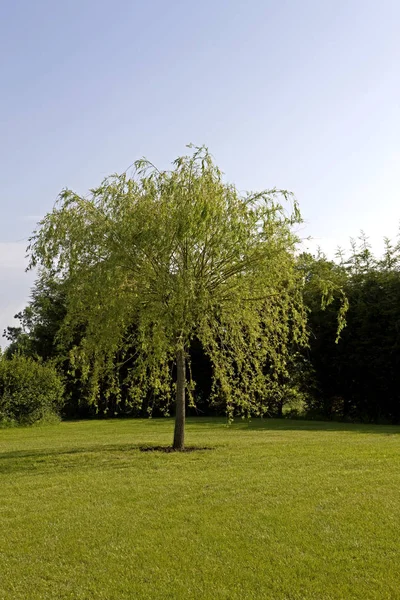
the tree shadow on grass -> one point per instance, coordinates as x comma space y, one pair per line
63, 459
111, 456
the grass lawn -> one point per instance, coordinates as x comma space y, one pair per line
277, 510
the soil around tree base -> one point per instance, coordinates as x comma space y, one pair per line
168, 449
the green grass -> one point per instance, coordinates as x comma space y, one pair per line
277, 510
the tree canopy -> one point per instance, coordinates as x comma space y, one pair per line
153, 259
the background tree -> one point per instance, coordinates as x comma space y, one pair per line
39, 322
37, 337
181, 254
358, 378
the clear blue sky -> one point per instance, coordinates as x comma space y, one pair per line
300, 94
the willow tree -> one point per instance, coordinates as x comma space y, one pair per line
178, 254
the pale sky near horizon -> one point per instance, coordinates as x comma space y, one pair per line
298, 94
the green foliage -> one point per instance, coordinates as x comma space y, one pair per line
37, 337
153, 260
30, 391
358, 378
324, 287
39, 322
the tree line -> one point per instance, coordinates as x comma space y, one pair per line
170, 291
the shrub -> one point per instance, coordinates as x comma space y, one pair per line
30, 391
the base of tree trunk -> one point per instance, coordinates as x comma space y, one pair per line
169, 449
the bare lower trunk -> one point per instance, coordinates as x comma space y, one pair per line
179, 433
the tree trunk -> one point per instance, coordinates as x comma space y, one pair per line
179, 433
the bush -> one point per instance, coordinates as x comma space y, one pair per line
30, 391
